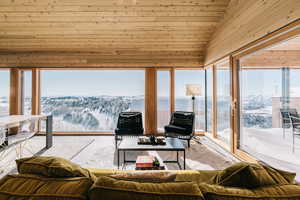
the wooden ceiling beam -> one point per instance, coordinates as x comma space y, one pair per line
268, 58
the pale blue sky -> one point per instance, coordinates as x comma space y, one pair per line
102, 82
261, 82
4, 83
93, 82
131, 82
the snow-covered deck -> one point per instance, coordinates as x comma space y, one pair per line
270, 146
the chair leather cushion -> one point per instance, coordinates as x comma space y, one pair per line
125, 131
182, 120
177, 129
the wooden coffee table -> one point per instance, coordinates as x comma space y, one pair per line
130, 144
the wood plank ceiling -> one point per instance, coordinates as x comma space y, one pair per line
107, 33
284, 54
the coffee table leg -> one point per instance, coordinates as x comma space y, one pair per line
184, 159
124, 157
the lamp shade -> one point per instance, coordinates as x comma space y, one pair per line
192, 90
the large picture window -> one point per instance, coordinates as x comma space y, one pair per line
4, 92
163, 99
26, 92
91, 100
183, 102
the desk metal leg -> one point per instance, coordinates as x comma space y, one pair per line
49, 134
118, 158
6, 138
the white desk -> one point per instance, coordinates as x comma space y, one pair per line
12, 121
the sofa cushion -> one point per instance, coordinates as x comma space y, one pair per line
114, 189
33, 187
147, 176
197, 176
51, 167
280, 192
252, 175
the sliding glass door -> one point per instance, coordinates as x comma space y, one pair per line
260, 95
270, 106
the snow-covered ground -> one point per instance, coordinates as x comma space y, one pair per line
273, 147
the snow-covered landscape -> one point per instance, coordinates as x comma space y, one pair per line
89, 113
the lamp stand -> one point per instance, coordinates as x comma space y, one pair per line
193, 99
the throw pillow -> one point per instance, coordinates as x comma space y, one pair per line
252, 175
51, 167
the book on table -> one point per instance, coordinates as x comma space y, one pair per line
144, 161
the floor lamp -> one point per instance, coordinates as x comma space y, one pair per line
193, 90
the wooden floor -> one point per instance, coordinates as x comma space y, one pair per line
99, 152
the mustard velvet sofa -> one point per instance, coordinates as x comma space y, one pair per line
50, 178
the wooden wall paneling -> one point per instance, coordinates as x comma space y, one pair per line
150, 101
248, 21
272, 58
290, 31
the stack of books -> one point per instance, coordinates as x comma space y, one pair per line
148, 163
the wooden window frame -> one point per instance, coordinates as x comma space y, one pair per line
287, 32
